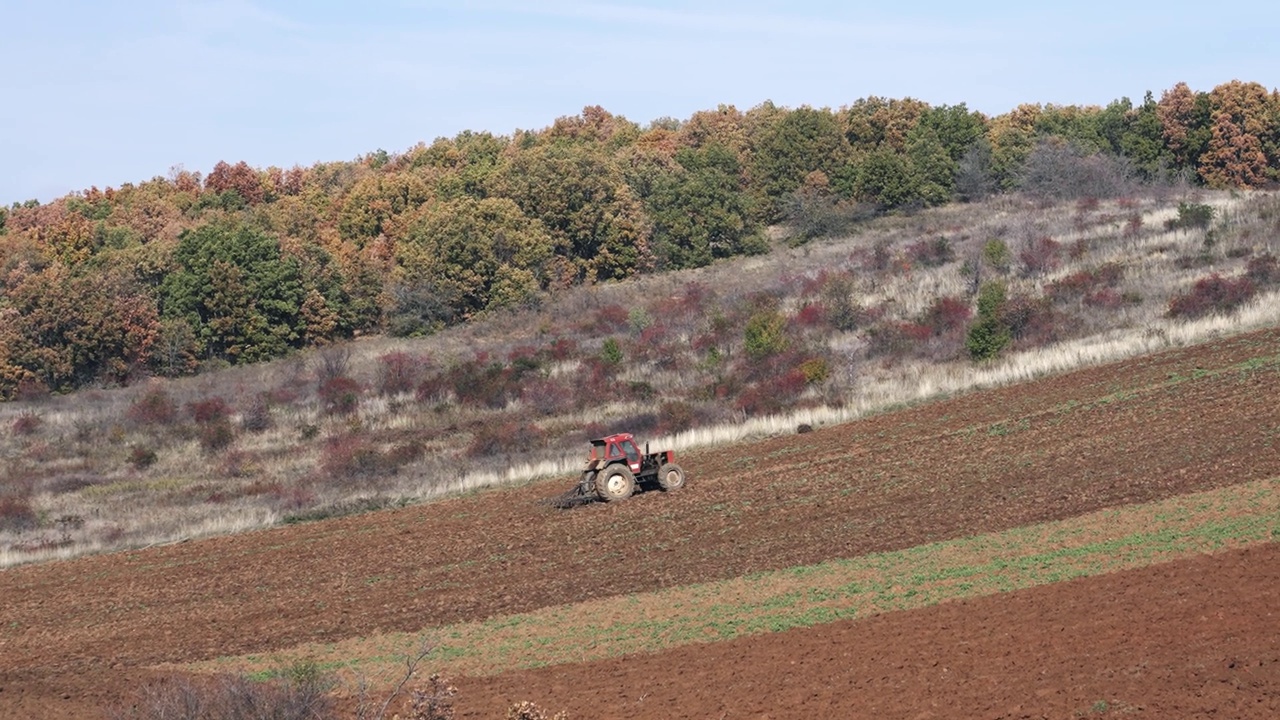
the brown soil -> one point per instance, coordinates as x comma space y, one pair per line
77, 635
1195, 638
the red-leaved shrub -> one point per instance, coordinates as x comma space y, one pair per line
772, 397
546, 396
1031, 321
154, 407
946, 315
351, 457
610, 318
812, 315
675, 416
490, 439
339, 395
1212, 294
563, 348
481, 383
141, 457
1040, 255
26, 423
1084, 282
31, 389
208, 411
930, 253
215, 435
399, 372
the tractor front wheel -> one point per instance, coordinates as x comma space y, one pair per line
615, 482
671, 476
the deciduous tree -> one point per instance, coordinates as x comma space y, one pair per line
580, 195
800, 142
700, 211
479, 254
236, 291
1242, 125
1186, 124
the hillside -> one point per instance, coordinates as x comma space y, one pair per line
817, 334
192, 271
83, 633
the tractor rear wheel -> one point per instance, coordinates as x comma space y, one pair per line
615, 482
671, 476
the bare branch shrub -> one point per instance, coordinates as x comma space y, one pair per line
1060, 170
814, 213
399, 372
332, 362
436, 697
256, 416
974, 178
301, 693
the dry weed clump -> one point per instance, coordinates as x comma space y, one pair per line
528, 710
26, 424
17, 513
432, 701
302, 693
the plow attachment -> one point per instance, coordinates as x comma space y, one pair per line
581, 494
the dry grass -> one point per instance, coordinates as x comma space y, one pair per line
84, 467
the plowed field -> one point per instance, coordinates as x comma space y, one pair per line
75, 636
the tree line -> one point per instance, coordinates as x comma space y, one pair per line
246, 264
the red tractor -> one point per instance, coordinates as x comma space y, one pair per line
616, 467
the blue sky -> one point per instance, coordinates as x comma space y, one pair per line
103, 93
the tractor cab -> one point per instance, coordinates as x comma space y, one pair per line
615, 448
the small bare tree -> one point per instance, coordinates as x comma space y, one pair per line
432, 702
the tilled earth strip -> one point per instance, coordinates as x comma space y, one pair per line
1093, 544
